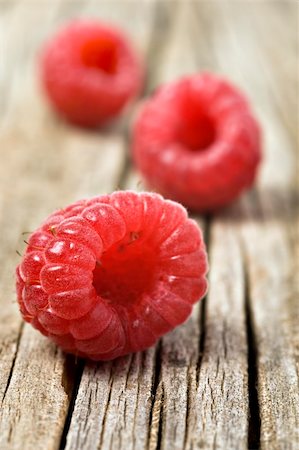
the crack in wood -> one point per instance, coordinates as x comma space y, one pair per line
202, 316
201, 341
71, 381
154, 425
188, 404
254, 420
13, 362
156, 440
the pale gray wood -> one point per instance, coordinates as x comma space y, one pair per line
221, 406
275, 322
265, 215
114, 405
202, 398
17, 198
36, 400
114, 402
179, 351
43, 162
195, 389
174, 405
221, 415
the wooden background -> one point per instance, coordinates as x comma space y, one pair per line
227, 379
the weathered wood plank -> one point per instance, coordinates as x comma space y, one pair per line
14, 219
48, 158
174, 401
274, 310
99, 157
113, 404
202, 394
113, 408
180, 350
265, 215
36, 397
108, 426
220, 415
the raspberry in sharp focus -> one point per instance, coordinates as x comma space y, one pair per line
197, 142
108, 276
90, 71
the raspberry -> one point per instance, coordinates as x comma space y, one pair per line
108, 276
90, 72
197, 142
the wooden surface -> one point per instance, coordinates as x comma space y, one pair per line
228, 378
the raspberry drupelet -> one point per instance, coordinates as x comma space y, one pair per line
196, 141
108, 276
90, 71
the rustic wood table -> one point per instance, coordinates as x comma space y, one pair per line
228, 378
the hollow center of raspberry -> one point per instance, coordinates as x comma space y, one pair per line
196, 130
125, 271
100, 54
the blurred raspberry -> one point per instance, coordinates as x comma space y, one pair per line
108, 276
197, 142
90, 71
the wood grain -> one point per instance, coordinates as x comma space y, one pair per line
203, 381
265, 217
228, 377
50, 158
221, 407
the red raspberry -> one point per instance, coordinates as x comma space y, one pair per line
197, 142
108, 276
90, 71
